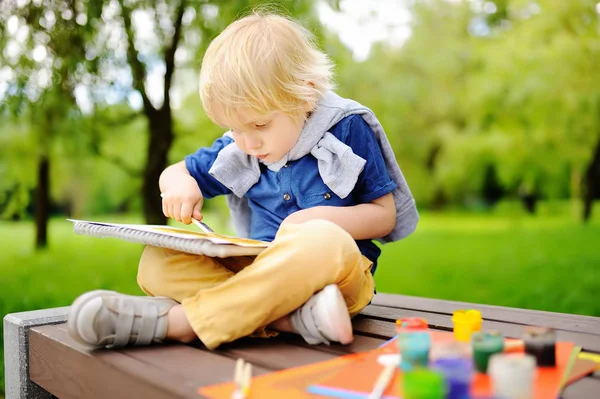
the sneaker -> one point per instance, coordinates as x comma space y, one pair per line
324, 318
113, 320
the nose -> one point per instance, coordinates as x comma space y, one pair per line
253, 142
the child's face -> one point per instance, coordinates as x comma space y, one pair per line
268, 137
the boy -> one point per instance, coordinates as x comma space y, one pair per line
302, 167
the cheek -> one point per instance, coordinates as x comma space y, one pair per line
297, 129
240, 143
292, 139
287, 141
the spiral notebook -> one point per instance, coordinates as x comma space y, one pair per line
195, 242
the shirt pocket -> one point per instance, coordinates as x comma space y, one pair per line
322, 196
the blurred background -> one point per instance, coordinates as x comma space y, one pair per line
492, 107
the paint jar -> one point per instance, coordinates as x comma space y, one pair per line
540, 342
485, 344
512, 375
449, 350
458, 373
414, 348
414, 342
423, 384
465, 323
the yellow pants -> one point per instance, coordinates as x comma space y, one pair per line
228, 298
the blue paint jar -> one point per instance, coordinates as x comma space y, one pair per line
414, 347
458, 373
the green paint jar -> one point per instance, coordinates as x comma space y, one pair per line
423, 384
485, 344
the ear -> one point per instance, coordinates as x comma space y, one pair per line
309, 107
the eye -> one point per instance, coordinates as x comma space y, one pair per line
262, 125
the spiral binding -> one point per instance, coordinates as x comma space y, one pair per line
188, 245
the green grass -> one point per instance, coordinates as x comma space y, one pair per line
548, 262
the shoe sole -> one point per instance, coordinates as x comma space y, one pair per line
75, 310
338, 317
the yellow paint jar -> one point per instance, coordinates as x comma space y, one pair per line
466, 322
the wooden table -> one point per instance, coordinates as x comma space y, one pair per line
67, 370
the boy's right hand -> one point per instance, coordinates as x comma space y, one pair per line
183, 199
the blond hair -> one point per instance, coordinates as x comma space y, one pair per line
264, 63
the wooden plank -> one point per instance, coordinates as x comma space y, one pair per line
197, 366
290, 350
187, 362
590, 342
361, 343
183, 360
372, 327
274, 353
563, 321
266, 355
389, 314
67, 370
177, 370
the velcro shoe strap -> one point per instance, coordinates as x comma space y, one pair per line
149, 315
304, 322
124, 327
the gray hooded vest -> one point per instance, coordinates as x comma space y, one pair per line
338, 166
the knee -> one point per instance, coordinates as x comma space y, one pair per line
322, 244
152, 269
326, 239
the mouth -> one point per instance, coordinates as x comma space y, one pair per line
262, 156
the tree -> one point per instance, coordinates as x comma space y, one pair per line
543, 109
416, 91
510, 85
88, 53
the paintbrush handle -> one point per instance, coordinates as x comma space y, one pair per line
383, 381
203, 226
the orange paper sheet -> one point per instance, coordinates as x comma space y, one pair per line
289, 384
358, 372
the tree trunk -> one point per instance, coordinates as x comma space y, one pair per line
439, 200
530, 201
591, 183
42, 202
161, 137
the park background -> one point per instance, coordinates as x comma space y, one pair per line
492, 108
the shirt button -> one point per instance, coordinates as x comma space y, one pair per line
327, 196
286, 165
287, 197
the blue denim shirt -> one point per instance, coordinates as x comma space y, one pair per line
298, 185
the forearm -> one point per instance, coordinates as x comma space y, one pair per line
171, 174
364, 221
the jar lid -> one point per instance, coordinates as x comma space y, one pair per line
466, 316
411, 323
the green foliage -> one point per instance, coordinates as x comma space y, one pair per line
478, 96
76, 74
545, 118
509, 259
516, 89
